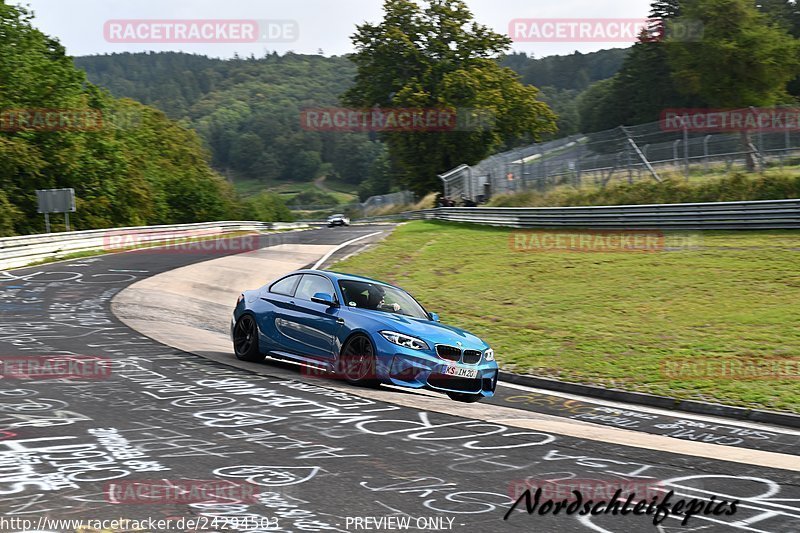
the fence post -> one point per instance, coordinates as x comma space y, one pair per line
675, 152
628, 165
596, 181
507, 172
642, 155
686, 151
705, 150
787, 142
544, 170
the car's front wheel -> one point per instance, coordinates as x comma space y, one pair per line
245, 339
357, 362
464, 397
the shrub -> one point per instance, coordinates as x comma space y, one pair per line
735, 188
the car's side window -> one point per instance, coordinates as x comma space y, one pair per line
286, 286
356, 293
311, 284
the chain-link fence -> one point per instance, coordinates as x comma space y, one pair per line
387, 200
626, 154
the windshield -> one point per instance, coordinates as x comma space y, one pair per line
365, 295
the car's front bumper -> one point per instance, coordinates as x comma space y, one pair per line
419, 369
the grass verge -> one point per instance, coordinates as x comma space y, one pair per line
288, 190
772, 185
612, 319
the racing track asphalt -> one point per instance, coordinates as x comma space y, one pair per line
320, 457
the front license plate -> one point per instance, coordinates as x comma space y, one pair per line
459, 372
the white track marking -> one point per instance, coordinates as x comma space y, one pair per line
348, 243
654, 410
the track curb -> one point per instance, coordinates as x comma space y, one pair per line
651, 400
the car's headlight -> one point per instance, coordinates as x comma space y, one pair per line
489, 355
405, 340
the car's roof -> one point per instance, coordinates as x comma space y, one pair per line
344, 276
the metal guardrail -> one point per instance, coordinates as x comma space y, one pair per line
26, 249
766, 214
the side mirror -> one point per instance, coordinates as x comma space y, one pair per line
324, 298
434, 317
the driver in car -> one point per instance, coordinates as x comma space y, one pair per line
377, 301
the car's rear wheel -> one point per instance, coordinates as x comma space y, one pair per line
357, 363
464, 397
245, 339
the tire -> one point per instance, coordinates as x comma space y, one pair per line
464, 397
245, 340
357, 362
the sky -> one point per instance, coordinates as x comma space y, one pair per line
308, 26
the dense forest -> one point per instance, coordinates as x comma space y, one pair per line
247, 109
747, 48
563, 79
131, 166
180, 128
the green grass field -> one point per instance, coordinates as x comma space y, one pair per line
713, 185
343, 192
612, 318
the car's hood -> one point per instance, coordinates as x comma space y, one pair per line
427, 330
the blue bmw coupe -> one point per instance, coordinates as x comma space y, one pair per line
362, 330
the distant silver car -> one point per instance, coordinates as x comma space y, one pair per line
338, 220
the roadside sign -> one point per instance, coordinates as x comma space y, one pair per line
56, 200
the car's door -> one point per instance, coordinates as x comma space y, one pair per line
310, 327
278, 305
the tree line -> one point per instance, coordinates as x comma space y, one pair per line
748, 56
241, 117
131, 166
247, 110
